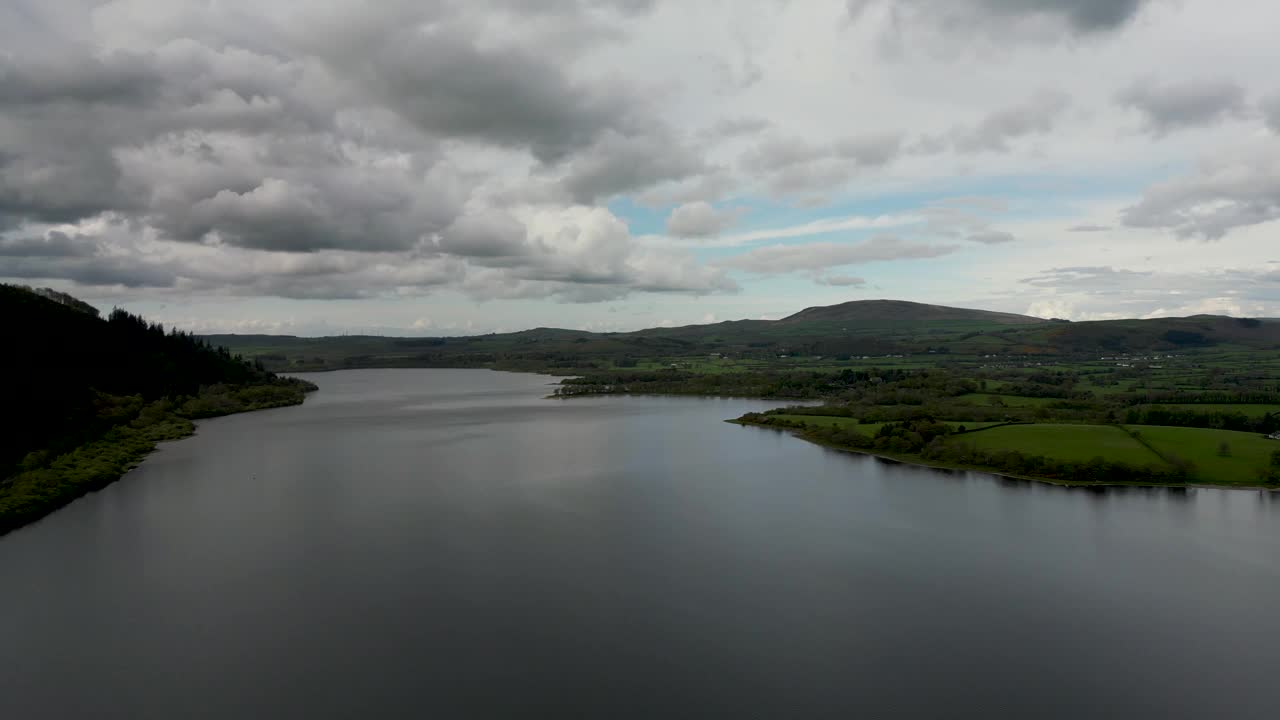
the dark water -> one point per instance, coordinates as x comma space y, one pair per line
443, 543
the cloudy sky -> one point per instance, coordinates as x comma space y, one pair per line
459, 166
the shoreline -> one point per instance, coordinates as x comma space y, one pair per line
124, 454
918, 462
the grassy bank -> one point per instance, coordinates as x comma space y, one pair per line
1079, 443
1219, 456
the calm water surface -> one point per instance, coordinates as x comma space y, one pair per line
446, 543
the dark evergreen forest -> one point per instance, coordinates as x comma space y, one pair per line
75, 384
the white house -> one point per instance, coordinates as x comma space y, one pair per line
1274, 436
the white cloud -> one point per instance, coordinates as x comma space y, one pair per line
839, 280
698, 220
778, 259
823, 226
416, 152
1234, 189
991, 237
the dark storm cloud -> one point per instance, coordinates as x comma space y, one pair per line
324, 132
1270, 107
620, 163
560, 7
117, 78
444, 81
492, 234
329, 211
101, 271
1167, 107
323, 135
1081, 16
54, 245
65, 122
59, 182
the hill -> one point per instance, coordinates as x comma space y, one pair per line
883, 311
87, 397
856, 329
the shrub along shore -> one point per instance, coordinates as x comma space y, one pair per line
91, 396
46, 481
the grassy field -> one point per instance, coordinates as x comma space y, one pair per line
1067, 442
1248, 452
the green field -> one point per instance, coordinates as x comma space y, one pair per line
1067, 442
1249, 452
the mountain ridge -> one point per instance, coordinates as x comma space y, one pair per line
861, 328
893, 309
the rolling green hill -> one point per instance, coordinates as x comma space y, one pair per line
838, 333
892, 311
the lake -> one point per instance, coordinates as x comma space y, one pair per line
448, 543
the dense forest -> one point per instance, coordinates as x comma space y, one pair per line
90, 396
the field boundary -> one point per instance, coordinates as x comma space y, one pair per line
1137, 436
992, 427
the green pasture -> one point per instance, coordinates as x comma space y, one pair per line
1079, 443
1247, 452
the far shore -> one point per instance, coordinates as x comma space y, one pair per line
934, 465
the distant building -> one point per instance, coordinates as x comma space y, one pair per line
1274, 436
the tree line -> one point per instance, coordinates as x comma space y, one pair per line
67, 372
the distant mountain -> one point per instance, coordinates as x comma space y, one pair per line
1157, 334
879, 311
859, 328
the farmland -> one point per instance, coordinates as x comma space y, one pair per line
1079, 443
1219, 456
